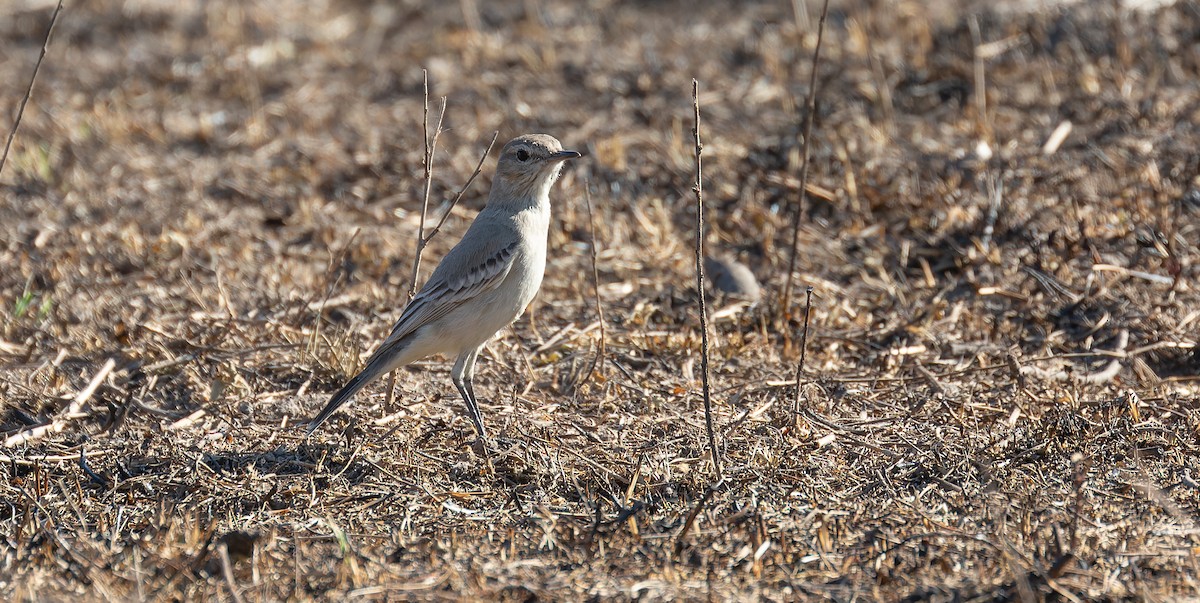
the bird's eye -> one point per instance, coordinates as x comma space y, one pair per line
522, 155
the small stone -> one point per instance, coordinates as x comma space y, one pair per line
732, 278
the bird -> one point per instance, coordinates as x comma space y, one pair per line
483, 284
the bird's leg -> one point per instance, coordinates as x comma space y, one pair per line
469, 383
467, 399
469, 379
461, 375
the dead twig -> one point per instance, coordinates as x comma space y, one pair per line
423, 239
699, 190
995, 193
458, 197
227, 572
96, 478
430, 148
74, 411
1079, 476
598, 359
804, 152
980, 77
803, 351
29, 90
694, 513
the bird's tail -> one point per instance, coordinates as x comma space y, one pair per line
375, 368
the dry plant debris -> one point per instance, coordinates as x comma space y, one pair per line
1002, 236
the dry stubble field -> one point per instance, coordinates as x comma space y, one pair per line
209, 214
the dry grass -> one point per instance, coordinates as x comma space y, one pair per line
1003, 399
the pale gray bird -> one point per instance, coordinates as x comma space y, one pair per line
484, 283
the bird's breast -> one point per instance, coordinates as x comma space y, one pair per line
530, 265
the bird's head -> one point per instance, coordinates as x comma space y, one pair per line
528, 165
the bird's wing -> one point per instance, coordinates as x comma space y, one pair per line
478, 264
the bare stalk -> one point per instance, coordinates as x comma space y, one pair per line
598, 359
690, 520
699, 190
808, 122
803, 351
423, 239
458, 197
29, 90
980, 77
430, 147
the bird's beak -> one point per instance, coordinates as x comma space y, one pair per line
564, 155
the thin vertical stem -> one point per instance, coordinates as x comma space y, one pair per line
699, 190
803, 350
598, 359
808, 122
29, 90
430, 147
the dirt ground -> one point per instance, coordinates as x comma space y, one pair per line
207, 221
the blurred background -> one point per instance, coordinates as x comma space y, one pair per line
1000, 229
